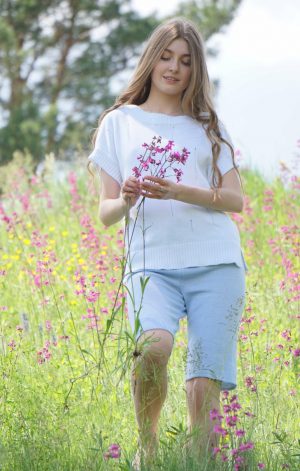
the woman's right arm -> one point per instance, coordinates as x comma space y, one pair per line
115, 200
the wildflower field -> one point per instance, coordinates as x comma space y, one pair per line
66, 344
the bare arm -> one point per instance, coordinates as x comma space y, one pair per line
229, 197
115, 200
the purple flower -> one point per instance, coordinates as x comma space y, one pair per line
169, 145
214, 414
114, 450
149, 163
136, 172
246, 446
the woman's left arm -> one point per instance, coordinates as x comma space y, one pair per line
228, 198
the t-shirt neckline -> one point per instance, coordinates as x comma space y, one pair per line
154, 116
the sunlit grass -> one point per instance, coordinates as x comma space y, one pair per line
63, 402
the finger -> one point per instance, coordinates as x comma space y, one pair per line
151, 196
154, 179
131, 188
128, 194
131, 183
150, 186
155, 191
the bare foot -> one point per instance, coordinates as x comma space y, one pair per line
146, 453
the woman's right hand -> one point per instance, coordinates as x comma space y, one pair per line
131, 190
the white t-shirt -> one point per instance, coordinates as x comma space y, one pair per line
169, 234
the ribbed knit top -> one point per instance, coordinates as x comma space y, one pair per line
168, 234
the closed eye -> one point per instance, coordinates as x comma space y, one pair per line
183, 62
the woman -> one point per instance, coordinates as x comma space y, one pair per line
182, 239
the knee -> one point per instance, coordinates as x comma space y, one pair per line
154, 348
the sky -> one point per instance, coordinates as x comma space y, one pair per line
258, 67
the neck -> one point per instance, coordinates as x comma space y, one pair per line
163, 104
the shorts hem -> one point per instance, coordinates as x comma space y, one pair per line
154, 328
225, 385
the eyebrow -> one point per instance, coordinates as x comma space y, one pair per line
169, 50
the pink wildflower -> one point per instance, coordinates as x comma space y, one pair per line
246, 446
114, 451
12, 344
48, 325
218, 429
286, 334
92, 296
296, 352
231, 420
216, 450
214, 414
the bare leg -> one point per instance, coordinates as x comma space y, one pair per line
203, 394
149, 385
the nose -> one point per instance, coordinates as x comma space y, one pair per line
173, 65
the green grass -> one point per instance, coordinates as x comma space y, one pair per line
64, 412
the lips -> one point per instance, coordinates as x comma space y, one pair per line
170, 79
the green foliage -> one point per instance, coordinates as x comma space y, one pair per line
63, 412
210, 16
57, 72
59, 61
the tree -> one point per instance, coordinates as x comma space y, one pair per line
59, 61
54, 70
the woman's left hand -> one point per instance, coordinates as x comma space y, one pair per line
159, 188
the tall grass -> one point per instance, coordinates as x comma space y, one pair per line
65, 392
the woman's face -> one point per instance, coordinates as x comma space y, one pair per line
171, 74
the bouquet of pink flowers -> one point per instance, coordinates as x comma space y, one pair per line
157, 160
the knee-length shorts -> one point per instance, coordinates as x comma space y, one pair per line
212, 297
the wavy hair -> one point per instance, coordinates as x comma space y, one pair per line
196, 99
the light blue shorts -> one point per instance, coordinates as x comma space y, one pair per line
212, 297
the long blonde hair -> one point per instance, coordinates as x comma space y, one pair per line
196, 99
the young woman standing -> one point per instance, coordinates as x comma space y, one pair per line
191, 248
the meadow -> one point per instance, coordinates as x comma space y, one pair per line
66, 344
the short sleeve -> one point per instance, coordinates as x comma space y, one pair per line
224, 161
104, 154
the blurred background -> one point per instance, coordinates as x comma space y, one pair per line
63, 62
